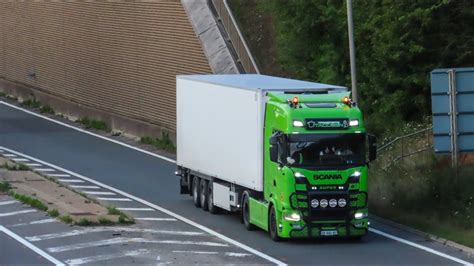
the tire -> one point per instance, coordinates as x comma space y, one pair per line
196, 192
210, 201
273, 225
246, 212
203, 196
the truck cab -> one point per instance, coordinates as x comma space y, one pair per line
315, 167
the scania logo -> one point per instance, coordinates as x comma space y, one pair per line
323, 177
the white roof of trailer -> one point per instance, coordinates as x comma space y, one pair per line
263, 82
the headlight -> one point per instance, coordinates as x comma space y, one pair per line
293, 217
354, 123
360, 215
332, 203
342, 203
323, 203
314, 203
298, 123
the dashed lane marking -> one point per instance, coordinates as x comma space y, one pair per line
229, 254
109, 229
99, 193
94, 259
136, 209
44, 221
5, 214
88, 187
20, 160
31, 246
34, 164
114, 199
44, 169
59, 175
71, 180
122, 240
8, 202
9, 155
155, 219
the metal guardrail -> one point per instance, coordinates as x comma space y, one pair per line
235, 36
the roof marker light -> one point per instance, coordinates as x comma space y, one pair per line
347, 101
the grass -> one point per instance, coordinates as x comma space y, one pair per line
123, 218
66, 219
93, 124
85, 222
53, 213
105, 221
35, 203
31, 103
163, 143
3, 94
5, 187
46, 109
15, 167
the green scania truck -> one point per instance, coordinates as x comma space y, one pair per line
291, 156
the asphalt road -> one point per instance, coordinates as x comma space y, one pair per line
153, 179
14, 253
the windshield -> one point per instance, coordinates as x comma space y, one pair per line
323, 150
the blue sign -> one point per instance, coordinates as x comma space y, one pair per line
459, 127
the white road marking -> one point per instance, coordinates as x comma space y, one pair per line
9, 155
20, 160
155, 219
78, 186
44, 221
237, 254
30, 246
154, 206
427, 249
109, 229
92, 259
122, 240
230, 254
8, 202
5, 214
44, 169
71, 180
99, 192
1, 151
136, 209
114, 199
34, 164
59, 175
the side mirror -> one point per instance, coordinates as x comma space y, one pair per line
274, 148
372, 147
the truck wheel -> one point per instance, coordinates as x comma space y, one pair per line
246, 212
273, 225
203, 195
210, 201
196, 192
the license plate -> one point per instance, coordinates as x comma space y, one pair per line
329, 233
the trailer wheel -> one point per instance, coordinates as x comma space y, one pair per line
246, 212
210, 201
203, 196
196, 192
273, 225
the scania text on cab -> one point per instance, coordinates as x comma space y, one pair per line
291, 156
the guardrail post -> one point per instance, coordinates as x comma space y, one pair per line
453, 117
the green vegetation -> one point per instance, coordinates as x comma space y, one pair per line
105, 221
46, 109
85, 222
163, 143
3, 94
31, 103
15, 167
93, 124
35, 203
66, 219
123, 218
53, 213
5, 186
398, 44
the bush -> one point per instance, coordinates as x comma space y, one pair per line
53, 213
93, 124
66, 219
5, 187
32, 103
46, 109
